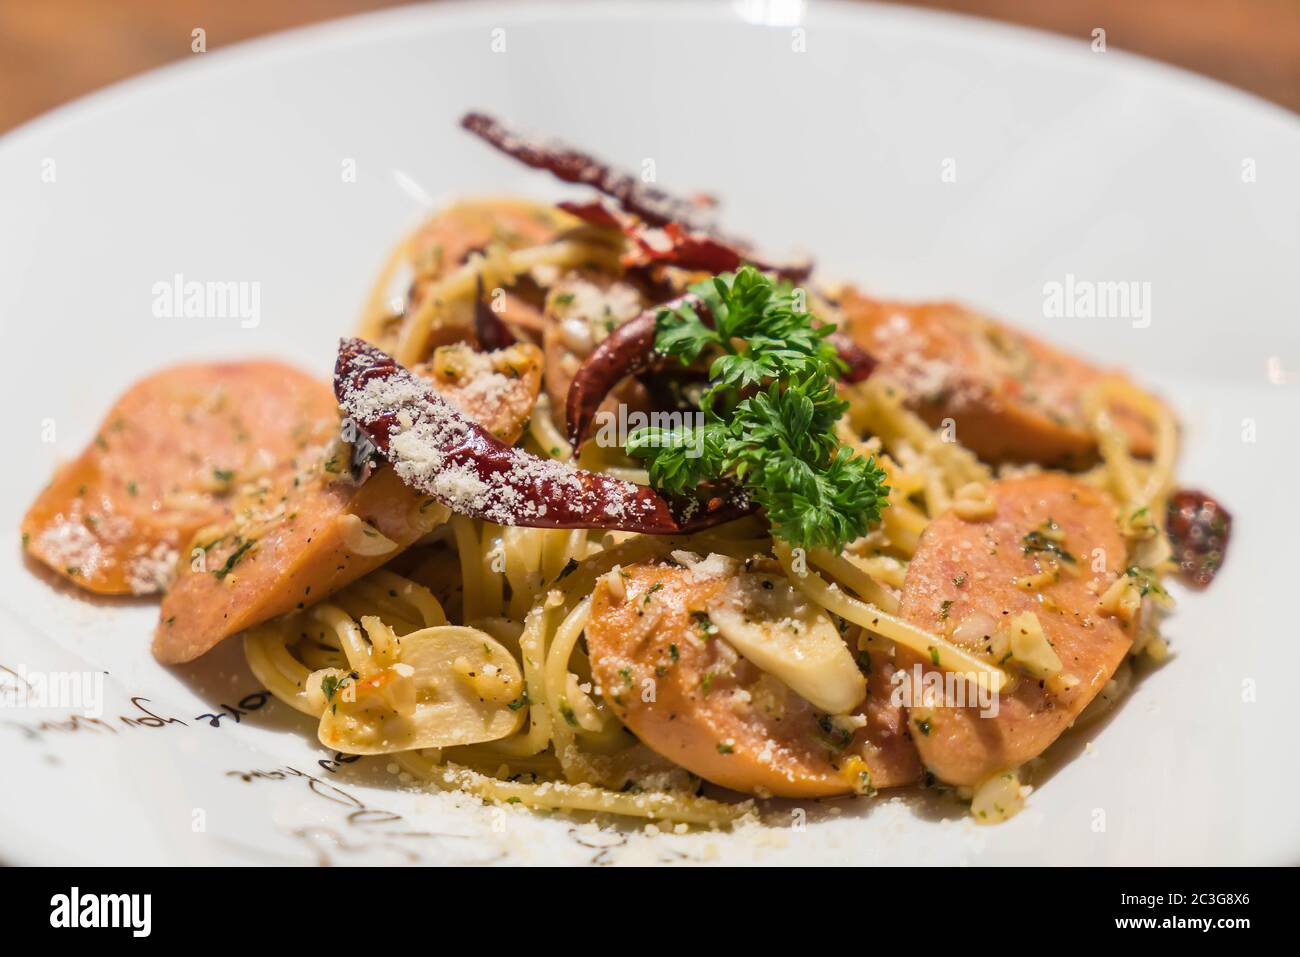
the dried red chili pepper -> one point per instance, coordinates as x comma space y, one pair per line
1199, 529
677, 245
858, 361
594, 212
652, 204
489, 330
691, 242
628, 350
440, 451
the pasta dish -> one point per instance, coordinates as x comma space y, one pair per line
604, 510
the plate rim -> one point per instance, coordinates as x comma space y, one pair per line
368, 26
371, 28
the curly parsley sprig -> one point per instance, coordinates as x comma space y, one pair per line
768, 416
776, 334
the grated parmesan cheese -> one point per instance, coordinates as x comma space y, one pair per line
430, 454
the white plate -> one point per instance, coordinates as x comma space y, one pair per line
1067, 161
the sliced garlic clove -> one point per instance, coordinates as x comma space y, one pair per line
362, 538
451, 685
998, 799
784, 634
1029, 646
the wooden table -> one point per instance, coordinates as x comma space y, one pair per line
52, 51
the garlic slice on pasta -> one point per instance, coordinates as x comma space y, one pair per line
783, 633
449, 685
364, 539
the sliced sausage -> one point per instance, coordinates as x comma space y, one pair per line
968, 579
308, 544
443, 243
687, 694
885, 743
446, 240
317, 531
168, 460
1011, 397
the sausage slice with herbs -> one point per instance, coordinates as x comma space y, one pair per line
658, 640
1010, 397
1021, 585
298, 542
168, 460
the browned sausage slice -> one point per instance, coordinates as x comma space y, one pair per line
167, 461
443, 243
316, 532
975, 580
446, 240
1011, 397
715, 713
304, 543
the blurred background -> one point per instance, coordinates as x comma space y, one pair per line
52, 51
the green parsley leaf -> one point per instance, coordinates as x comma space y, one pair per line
769, 416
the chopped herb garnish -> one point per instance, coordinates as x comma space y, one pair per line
1146, 580
1037, 541
769, 414
832, 734
233, 559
